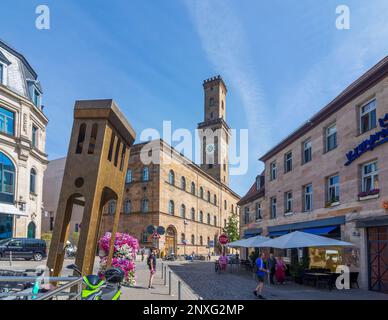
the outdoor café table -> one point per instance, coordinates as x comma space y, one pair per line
318, 275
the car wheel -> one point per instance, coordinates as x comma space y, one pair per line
37, 256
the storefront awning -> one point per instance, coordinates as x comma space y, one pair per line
11, 209
278, 233
320, 231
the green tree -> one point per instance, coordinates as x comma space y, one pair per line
232, 229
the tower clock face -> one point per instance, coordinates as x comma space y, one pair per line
210, 148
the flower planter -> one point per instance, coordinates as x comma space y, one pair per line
369, 197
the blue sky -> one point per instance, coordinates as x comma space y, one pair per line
282, 60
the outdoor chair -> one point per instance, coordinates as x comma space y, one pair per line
354, 279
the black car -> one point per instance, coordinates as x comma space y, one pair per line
24, 248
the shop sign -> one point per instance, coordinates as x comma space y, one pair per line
374, 140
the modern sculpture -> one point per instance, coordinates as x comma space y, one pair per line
95, 170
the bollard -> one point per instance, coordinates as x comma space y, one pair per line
165, 275
162, 270
10, 258
179, 290
169, 283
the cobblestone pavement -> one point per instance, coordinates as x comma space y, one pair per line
239, 284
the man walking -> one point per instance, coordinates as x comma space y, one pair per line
261, 272
271, 267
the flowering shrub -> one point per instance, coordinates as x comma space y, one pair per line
125, 248
369, 193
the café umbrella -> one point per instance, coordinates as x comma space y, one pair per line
253, 242
298, 239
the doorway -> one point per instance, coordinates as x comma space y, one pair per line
378, 258
31, 230
170, 243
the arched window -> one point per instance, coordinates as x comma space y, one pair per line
192, 239
193, 188
128, 177
183, 238
208, 196
215, 221
192, 214
7, 179
225, 205
211, 102
145, 174
171, 177
215, 199
144, 205
201, 240
201, 192
93, 138
208, 218
127, 206
112, 207
232, 208
81, 138
208, 241
33, 181
183, 211
183, 183
171, 207
200, 216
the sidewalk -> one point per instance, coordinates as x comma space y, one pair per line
141, 291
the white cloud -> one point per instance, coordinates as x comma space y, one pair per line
223, 40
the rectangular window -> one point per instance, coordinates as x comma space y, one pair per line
34, 139
128, 177
368, 116
333, 189
308, 198
273, 208
246, 215
331, 137
370, 177
288, 162
288, 202
307, 151
259, 215
7, 121
273, 172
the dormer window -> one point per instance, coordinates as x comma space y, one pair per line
2, 77
36, 98
3, 69
35, 93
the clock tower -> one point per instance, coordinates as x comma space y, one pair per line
214, 131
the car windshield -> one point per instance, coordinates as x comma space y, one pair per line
4, 241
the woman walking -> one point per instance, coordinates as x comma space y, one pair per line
280, 272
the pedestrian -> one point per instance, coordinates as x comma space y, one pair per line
280, 270
223, 260
271, 267
151, 262
142, 254
261, 272
209, 256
